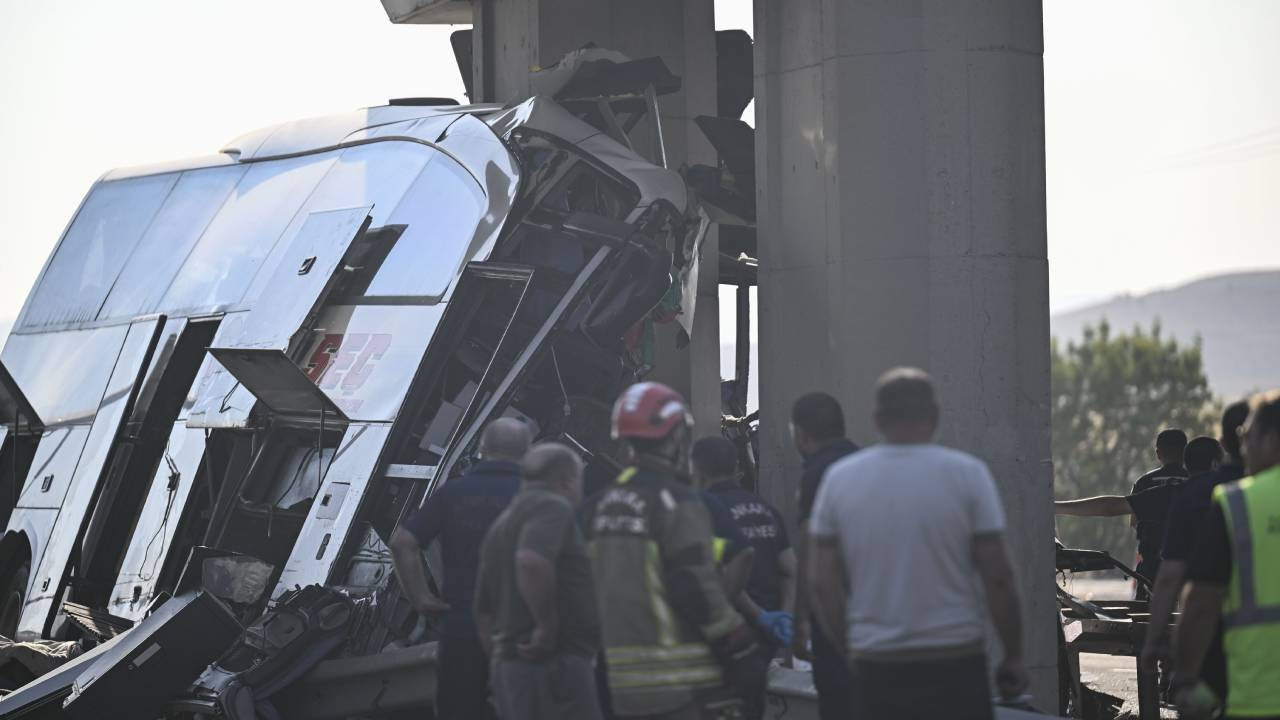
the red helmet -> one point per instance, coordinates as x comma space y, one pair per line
649, 410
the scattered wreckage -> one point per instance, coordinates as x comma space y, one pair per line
236, 374
1105, 627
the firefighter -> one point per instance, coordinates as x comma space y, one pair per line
674, 646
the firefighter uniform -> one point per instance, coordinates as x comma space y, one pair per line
661, 603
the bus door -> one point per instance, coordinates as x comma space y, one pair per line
50, 568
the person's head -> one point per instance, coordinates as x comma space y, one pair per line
1203, 455
554, 467
906, 406
1232, 420
1171, 444
816, 420
1261, 436
655, 421
713, 459
504, 439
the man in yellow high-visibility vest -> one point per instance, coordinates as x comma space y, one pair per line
1235, 577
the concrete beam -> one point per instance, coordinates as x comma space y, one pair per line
901, 202
428, 12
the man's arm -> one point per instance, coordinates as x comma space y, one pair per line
406, 557
1201, 610
787, 579
992, 563
536, 582
747, 607
693, 584
800, 640
1164, 595
827, 588
735, 573
1100, 506
542, 539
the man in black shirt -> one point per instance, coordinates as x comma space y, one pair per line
1149, 508
459, 514
1171, 446
770, 591
817, 427
1182, 527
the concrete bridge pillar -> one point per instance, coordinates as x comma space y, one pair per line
901, 202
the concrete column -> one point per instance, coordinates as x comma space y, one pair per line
515, 36
901, 191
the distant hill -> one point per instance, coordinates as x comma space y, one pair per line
1237, 317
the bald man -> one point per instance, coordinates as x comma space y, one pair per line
535, 603
459, 514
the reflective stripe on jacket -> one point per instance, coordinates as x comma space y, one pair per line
1251, 610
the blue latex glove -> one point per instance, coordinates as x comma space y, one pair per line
778, 624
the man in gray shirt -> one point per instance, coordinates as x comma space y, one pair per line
535, 603
902, 534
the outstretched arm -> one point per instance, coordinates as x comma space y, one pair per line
1100, 506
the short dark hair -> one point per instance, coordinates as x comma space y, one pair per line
1264, 412
714, 456
819, 415
1202, 453
1171, 442
1232, 420
905, 395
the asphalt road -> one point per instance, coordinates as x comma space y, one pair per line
1116, 676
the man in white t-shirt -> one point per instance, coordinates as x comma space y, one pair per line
907, 536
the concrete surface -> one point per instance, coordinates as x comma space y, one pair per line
900, 188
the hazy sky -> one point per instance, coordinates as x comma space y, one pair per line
1163, 126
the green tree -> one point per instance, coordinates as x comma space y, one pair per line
1111, 395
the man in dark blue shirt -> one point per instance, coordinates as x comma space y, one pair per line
770, 590
459, 514
817, 427
1186, 517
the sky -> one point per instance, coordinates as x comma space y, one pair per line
1162, 124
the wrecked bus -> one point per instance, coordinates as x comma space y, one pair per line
274, 353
